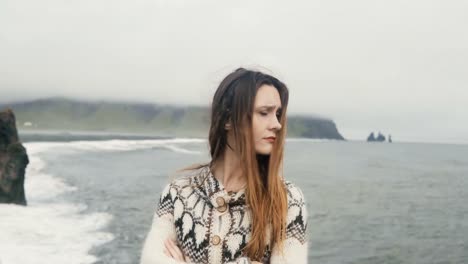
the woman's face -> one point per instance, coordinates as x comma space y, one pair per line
265, 123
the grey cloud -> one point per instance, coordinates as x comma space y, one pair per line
365, 63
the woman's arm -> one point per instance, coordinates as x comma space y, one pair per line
293, 252
295, 246
243, 260
162, 228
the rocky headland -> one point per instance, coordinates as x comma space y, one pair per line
13, 161
61, 114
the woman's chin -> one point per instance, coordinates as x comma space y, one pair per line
263, 151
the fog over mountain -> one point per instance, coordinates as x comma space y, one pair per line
393, 66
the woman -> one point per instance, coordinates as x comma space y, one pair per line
237, 208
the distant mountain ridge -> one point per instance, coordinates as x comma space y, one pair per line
145, 118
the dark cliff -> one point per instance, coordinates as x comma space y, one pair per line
13, 161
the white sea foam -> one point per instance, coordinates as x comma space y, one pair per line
129, 145
40, 186
117, 145
52, 231
49, 233
181, 150
48, 230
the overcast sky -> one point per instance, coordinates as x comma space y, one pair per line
397, 66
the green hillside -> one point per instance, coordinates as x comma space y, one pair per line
161, 120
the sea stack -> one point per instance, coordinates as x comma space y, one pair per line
13, 161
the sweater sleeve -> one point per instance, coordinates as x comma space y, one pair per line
242, 260
162, 228
295, 245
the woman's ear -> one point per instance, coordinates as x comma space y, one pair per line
228, 125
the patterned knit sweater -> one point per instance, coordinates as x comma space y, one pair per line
211, 225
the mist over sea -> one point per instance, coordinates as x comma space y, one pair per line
91, 200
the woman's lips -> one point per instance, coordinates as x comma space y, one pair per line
270, 139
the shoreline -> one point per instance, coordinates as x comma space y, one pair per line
68, 136
88, 135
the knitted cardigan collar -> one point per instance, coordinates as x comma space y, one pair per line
208, 187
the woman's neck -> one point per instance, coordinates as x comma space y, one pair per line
228, 171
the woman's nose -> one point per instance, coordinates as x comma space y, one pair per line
276, 124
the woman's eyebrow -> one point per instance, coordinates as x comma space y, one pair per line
269, 107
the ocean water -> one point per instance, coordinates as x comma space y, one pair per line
92, 201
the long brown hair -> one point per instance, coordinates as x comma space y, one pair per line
233, 102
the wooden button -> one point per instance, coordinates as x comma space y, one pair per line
222, 209
215, 240
220, 201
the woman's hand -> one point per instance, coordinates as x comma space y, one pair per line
173, 251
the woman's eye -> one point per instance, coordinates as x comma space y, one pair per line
266, 113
